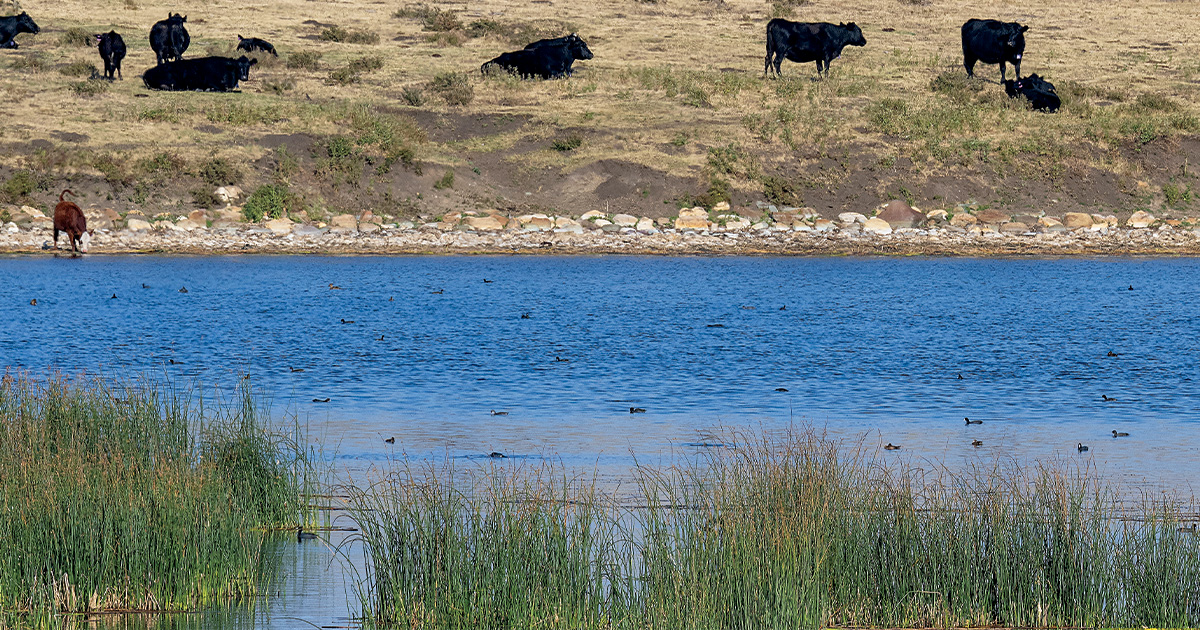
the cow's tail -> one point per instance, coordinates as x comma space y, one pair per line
770, 52
60, 195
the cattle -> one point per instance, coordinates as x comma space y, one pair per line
69, 218
13, 24
112, 51
169, 38
548, 59
250, 44
206, 74
1039, 92
993, 41
801, 42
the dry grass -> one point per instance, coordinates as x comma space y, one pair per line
661, 69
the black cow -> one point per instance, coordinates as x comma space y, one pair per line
112, 51
169, 38
993, 41
546, 59
249, 44
13, 24
565, 40
821, 42
207, 74
1039, 92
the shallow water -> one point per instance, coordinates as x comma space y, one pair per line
866, 348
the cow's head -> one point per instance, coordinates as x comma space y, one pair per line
578, 47
26, 24
175, 18
85, 240
856, 37
243, 66
1016, 40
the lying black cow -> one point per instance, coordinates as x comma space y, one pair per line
801, 42
206, 74
112, 51
993, 41
169, 38
250, 44
13, 24
1039, 92
548, 59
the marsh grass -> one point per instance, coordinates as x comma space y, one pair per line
784, 531
134, 497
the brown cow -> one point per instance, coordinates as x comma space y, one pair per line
69, 218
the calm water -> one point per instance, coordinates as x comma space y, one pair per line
865, 347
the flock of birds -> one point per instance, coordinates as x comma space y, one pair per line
1079, 446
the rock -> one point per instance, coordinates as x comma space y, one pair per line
599, 223
689, 221
822, 225
490, 223
963, 219
368, 217
11, 228
851, 228
721, 206
900, 215
343, 223
41, 222
737, 224
565, 225
368, 227
1139, 219
32, 212
1027, 219
611, 228
625, 220
1014, 227
282, 225
852, 217
232, 213
591, 214
301, 229
936, 216
199, 216
992, 216
694, 213
1049, 222
536, 223
645, 225
137, 224
876, 225
663, 222
99, 223
188, 225
1073, 220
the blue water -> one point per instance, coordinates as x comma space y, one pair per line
868, 349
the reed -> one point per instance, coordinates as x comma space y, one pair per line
779, 531
137, 497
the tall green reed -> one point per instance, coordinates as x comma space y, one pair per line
129, 497
780, 531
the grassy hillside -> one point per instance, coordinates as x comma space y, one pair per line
381, 106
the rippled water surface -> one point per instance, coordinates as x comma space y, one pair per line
424, 348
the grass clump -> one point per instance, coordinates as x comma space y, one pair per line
91, 87
303, 60
217, 171
30, 62
446, 181
78, 69
413, 96
453, 87
204, 198
18, 187
788, 531
346, 36
129, 498
354, 70
432, 18
568, 143
268, 200
76, 36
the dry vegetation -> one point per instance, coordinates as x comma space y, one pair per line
673, 109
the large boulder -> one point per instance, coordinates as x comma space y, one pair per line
692, 219
1139, 219
625, 220
900, 215
963, 219
490, 223
343, 223
876, 225
137, 224
991, 216
1074, 220
852, 217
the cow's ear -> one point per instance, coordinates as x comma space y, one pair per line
1024, 28
253, 61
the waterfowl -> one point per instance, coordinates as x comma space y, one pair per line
499, 413
1107, 399
561, 360
1113, 354
525, 315
1189, 530
1081, 448
1131, 287
295, 369
33, 302
183, 289
960, 377
302, 535
1118, 434
334, 287
748, 308
390, 440
716, 325
113, 297
438, 292
321, 400
781, 389
496, 455
380, 338
174, 362
347, 321
486, 281
636, 410
970, 421
145, 286
891, 447
392, 299
783, 308
976, 443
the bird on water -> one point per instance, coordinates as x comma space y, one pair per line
499, 413
1081, 448
636, 410
302, 535
970, 421
1117, 434
976, 443
891, 447
390, 440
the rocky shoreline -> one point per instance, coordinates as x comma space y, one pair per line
892, 229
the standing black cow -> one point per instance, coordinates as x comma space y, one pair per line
993, 41
169, 38
249, 44
209, 74
112, 51
821, 42
1039, 92
547, 59
13, 24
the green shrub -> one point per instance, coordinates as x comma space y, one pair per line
79, 69
279, 87
76, 36
568, 143
346, 36
454, 88
205, 198
91, 87
217, 171
29, 62
19, 186
303, 60
1154, 101
269, 200
413, 96
447, 181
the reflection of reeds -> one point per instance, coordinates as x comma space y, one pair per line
130, 498
777, 532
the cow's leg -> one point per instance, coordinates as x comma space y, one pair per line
1002, 77
1017, 69
969, 63
820, 69
777, 62
767, 64
55, 238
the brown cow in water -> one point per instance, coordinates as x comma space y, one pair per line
69, 218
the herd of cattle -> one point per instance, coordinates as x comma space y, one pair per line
987, 41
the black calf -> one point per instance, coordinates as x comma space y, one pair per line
112, 51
